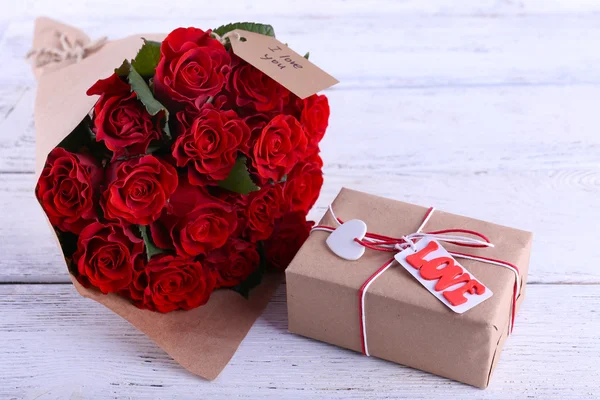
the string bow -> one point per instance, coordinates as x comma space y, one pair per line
389, 244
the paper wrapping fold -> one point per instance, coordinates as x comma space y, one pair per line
202, 340
406, 324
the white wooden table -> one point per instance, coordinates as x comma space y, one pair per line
483, 107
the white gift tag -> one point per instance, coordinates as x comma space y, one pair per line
341, 241
443, 276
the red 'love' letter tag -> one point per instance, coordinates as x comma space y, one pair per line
443, 276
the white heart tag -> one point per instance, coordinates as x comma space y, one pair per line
341, 241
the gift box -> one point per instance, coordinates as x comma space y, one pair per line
396, 317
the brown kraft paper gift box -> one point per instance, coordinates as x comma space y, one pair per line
406, 324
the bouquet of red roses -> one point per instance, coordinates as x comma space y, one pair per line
193, 171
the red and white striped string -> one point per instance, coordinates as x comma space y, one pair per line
394, 245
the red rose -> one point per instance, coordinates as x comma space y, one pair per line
196, 222
225, 101
139, 281
303, 184
252, 88
120, 120
291, 231
192, 67
210, 145
233, 263
294, 106
256, 123
68, 189
238, 203
106, 255
315, 118
176, 283
280, 145
138, 189
264, 206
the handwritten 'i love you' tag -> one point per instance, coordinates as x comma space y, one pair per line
280, 63
443, 276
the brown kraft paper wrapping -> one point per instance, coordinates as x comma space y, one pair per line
406, 324
202, 340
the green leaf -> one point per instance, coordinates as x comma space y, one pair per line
307, 54
152, 42
146, 60
82, 137
151, 249
254, 279
154, 147
144, 94
283, 180
166, 129
239, 180
246, 26
123, 70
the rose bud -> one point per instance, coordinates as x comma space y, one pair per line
68, 189
291, 231
192, 67
139, 282
176, 282
138, 189
120, 120
106, 255
281, 144
210, 145
233, 263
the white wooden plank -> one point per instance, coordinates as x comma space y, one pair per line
17, 138
492, 113
402, 130
381, 49
557, 205
58, 345
113, 8
10, 96
27, 243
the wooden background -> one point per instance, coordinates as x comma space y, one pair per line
481, 107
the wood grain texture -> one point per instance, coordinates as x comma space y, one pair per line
56, 344
398, 47
485, 108
548, 202
394, 131
194, 9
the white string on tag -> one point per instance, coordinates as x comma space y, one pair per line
228, 35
